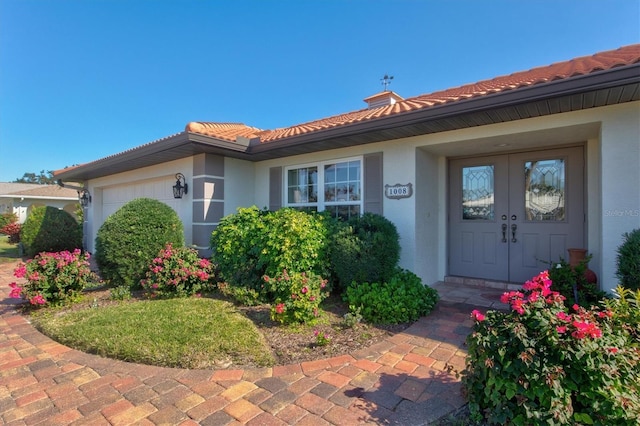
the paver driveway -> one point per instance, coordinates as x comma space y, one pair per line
408, 379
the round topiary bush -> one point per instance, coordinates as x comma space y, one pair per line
50, 229
131, 238
628, 260
365, 249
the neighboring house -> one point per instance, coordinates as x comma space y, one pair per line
486, 181
21, 198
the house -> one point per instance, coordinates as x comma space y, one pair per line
20, 198
485, 182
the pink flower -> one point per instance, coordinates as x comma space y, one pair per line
304, 290
312, 298
37, 300
280, 308
613, 350
584, 329
563, 316
561, 329
15, 291
20, 271
517, 305
505, 297
477, 315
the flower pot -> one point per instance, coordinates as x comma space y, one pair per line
578, 255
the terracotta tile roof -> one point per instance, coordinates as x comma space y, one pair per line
602, 61
226, 131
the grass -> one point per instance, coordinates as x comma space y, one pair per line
184, 333
8, 252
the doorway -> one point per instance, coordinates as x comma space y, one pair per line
512, 214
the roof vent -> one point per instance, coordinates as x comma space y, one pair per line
383, 99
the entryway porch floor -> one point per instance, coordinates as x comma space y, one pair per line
480, 293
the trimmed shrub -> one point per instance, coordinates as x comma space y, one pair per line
53, 277
51, 230
177, 272
628, 260
129, 240
365, 249
543, 363
402, 299
253, 243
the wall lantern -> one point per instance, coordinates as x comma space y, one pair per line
180, 188
84, 197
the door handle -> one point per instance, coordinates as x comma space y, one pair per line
514, 227
504, 232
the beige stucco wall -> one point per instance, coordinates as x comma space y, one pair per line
611, 136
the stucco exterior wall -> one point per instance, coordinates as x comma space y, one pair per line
610, 135
620, 171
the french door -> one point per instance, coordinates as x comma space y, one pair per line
511, 214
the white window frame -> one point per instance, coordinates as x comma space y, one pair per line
321, 204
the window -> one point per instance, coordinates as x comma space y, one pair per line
332, 186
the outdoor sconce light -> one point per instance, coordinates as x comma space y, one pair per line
84, 197
180, 188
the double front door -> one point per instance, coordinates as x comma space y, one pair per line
510, 215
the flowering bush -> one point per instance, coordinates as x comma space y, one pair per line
12, 230
546, 363
177, 272
322, 338
52, 277
298, 296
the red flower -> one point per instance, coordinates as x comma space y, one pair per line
477, 315
613, 350
280, 308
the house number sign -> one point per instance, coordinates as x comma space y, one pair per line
398, 191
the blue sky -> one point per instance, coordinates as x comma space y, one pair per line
81, 80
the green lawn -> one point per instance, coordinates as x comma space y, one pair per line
183, 333
8, 252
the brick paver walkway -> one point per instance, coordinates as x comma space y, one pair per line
408, 379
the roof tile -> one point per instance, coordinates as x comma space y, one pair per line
580, 66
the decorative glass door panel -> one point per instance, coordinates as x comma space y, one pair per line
544, 190
512, 214
477, 193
